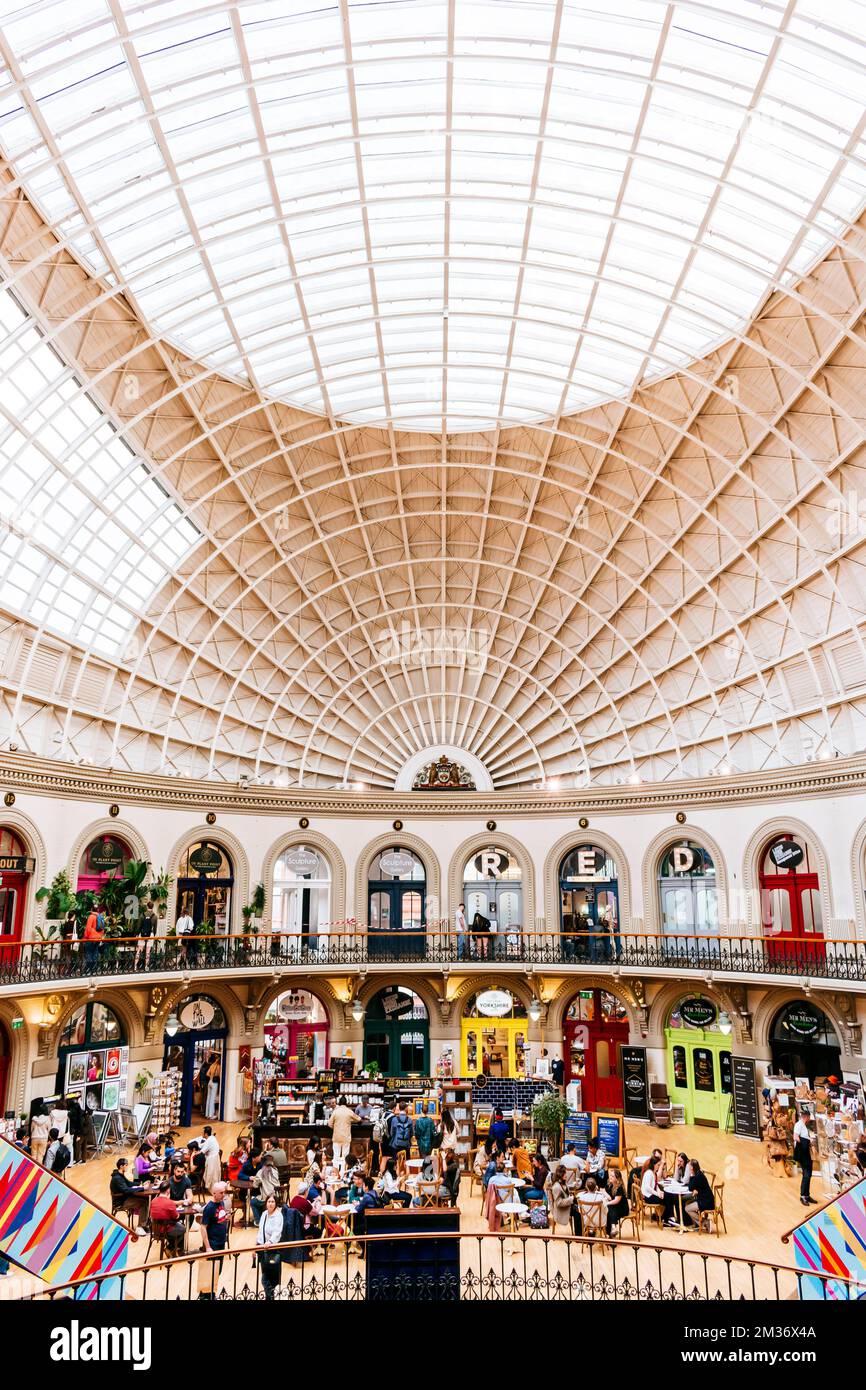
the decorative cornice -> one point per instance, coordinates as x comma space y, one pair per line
43, 776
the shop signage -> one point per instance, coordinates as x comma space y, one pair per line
745, 1102
578, 1130
206, 859
301, 861
698, 1012
608, 1129
494, 1003
802, 1020
397, 862
294, 1008
395, 1002
198, 1013
15, 864
702, 1061
590, 863
106, 856
634, 1082
491, 863
786, 854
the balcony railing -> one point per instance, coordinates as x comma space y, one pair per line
531, 1267
353, 945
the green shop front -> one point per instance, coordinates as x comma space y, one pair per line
698, 1037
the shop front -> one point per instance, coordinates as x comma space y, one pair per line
300, 899
493, 891
93, 1058
493, 1035
396, 905
589, 905
105, 858
194, 1049
397, 1033
5, 1065
698, 1038
296, 1035
791, 913
16, 869
596, 1027
205, 882
804, 1043
688, 901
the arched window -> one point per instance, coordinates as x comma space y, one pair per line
91, 1025
687, 892
105, 858
493, 889
589, 905
93, 1059
396, 904
397, 1033
194, 1060
205, 879
301, 894
791, 912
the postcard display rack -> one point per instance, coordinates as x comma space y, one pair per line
458, 1099
837, 1130
165, 1100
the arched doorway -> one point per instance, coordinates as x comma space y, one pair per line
396, 905
803, 1042
688, 901
493, 1035
296, 1034
16, 867
194, 1039
589, 904
791, 912
698, 1037
105, 858
493, 887
596, 1026
301, 900
5, 1066
397, 1033
205, 880
92, 1058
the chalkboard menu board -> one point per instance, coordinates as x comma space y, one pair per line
746, 1121
634, 1082
578, 1130
609, 1131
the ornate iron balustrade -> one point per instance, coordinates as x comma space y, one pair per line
452, 1266
50, 962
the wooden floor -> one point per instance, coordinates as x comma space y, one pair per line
759, 1207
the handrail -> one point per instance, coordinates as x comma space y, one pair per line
535, 1238
822, 1206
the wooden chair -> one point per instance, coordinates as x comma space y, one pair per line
717, 1215
430, 1192
628, 1155
161, 1232
671, 1160
648, 1211
475, 1179
631, 1220
593, 1225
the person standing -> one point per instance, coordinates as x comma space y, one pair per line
400, 1131
210, 1150
214, 1239
500, 1132
803, 1155
425, 1130
342, 1119
147, 931
461, 927
68, 935
184, 928
94, 934
212, 1077
270, 1233
40, 1127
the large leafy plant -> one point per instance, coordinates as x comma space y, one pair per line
60, 897
550, 1114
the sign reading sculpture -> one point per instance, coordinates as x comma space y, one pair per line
301, 861
397, 863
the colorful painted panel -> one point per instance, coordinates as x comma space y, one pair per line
54, 1232
833, 1242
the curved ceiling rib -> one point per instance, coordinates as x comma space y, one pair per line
333, 431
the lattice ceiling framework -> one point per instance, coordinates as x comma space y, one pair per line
665, 582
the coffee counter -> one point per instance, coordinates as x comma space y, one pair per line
294, 1140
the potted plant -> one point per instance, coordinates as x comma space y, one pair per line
549, 1115
143, 1080
372, 1070
60, 897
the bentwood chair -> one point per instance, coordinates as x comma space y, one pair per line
716, 1217
593, 1225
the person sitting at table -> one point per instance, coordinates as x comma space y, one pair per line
196, 1162
562, 1201
145, 1161
237, 1159
636, 1173
368, 1200
451, 1176
124, 1193
522, 1161
595, 1162
281, 1159
571, 1161
540, 1173
617, 1201
680, 1166
180, 1184
390, 1190
315, 1186
702, 1198
495, 1165
266, 1181
592, 1194
652, 1178
163, 1209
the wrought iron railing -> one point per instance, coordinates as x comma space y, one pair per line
450, 1267
355, 945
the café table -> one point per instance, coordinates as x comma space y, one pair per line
244, 1187
679, 1191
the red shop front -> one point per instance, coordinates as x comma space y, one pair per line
596, 1024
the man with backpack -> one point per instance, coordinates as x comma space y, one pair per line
94, 935
57, 1155
400, 1131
